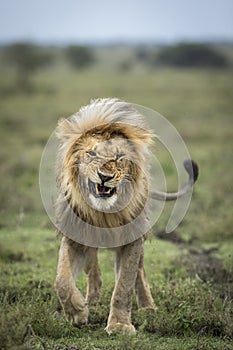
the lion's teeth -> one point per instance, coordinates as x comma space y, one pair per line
96, 188
101, 190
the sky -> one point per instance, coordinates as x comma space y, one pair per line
83, 21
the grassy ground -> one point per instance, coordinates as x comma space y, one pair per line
190, 271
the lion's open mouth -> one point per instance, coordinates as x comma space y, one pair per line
99, 190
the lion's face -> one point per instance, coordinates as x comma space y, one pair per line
105, 170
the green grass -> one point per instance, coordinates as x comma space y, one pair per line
192, 288
190, 311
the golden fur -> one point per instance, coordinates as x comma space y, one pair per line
103, 185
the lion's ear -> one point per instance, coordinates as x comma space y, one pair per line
65, 129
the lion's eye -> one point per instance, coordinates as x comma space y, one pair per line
92, 153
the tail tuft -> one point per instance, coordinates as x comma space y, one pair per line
192, 169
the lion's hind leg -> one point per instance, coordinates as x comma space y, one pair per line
143, 293
70, 263
94, 281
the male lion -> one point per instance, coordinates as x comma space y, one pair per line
103, 178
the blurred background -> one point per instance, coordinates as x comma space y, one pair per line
174, 57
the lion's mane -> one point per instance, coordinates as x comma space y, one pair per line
103, 120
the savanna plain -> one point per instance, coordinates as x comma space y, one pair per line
190, 270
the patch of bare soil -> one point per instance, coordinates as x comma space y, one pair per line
201, 262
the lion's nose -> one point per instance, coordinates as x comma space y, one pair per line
105, 178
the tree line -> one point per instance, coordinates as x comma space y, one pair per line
28, 58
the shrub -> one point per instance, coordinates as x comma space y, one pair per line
26, 58
191, 55
79, 56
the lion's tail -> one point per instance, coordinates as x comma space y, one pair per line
192, 169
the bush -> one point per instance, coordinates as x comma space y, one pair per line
191, 55
80, 56
26, 58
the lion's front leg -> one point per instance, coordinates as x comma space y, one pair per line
70, 263
127, 260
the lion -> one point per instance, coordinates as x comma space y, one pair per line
103, 185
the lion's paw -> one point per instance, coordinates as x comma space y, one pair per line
119, 327
77, 318
76, 310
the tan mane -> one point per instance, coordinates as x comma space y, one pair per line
103, 119
102, 114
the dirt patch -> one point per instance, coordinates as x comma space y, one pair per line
210, 270
202, 263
